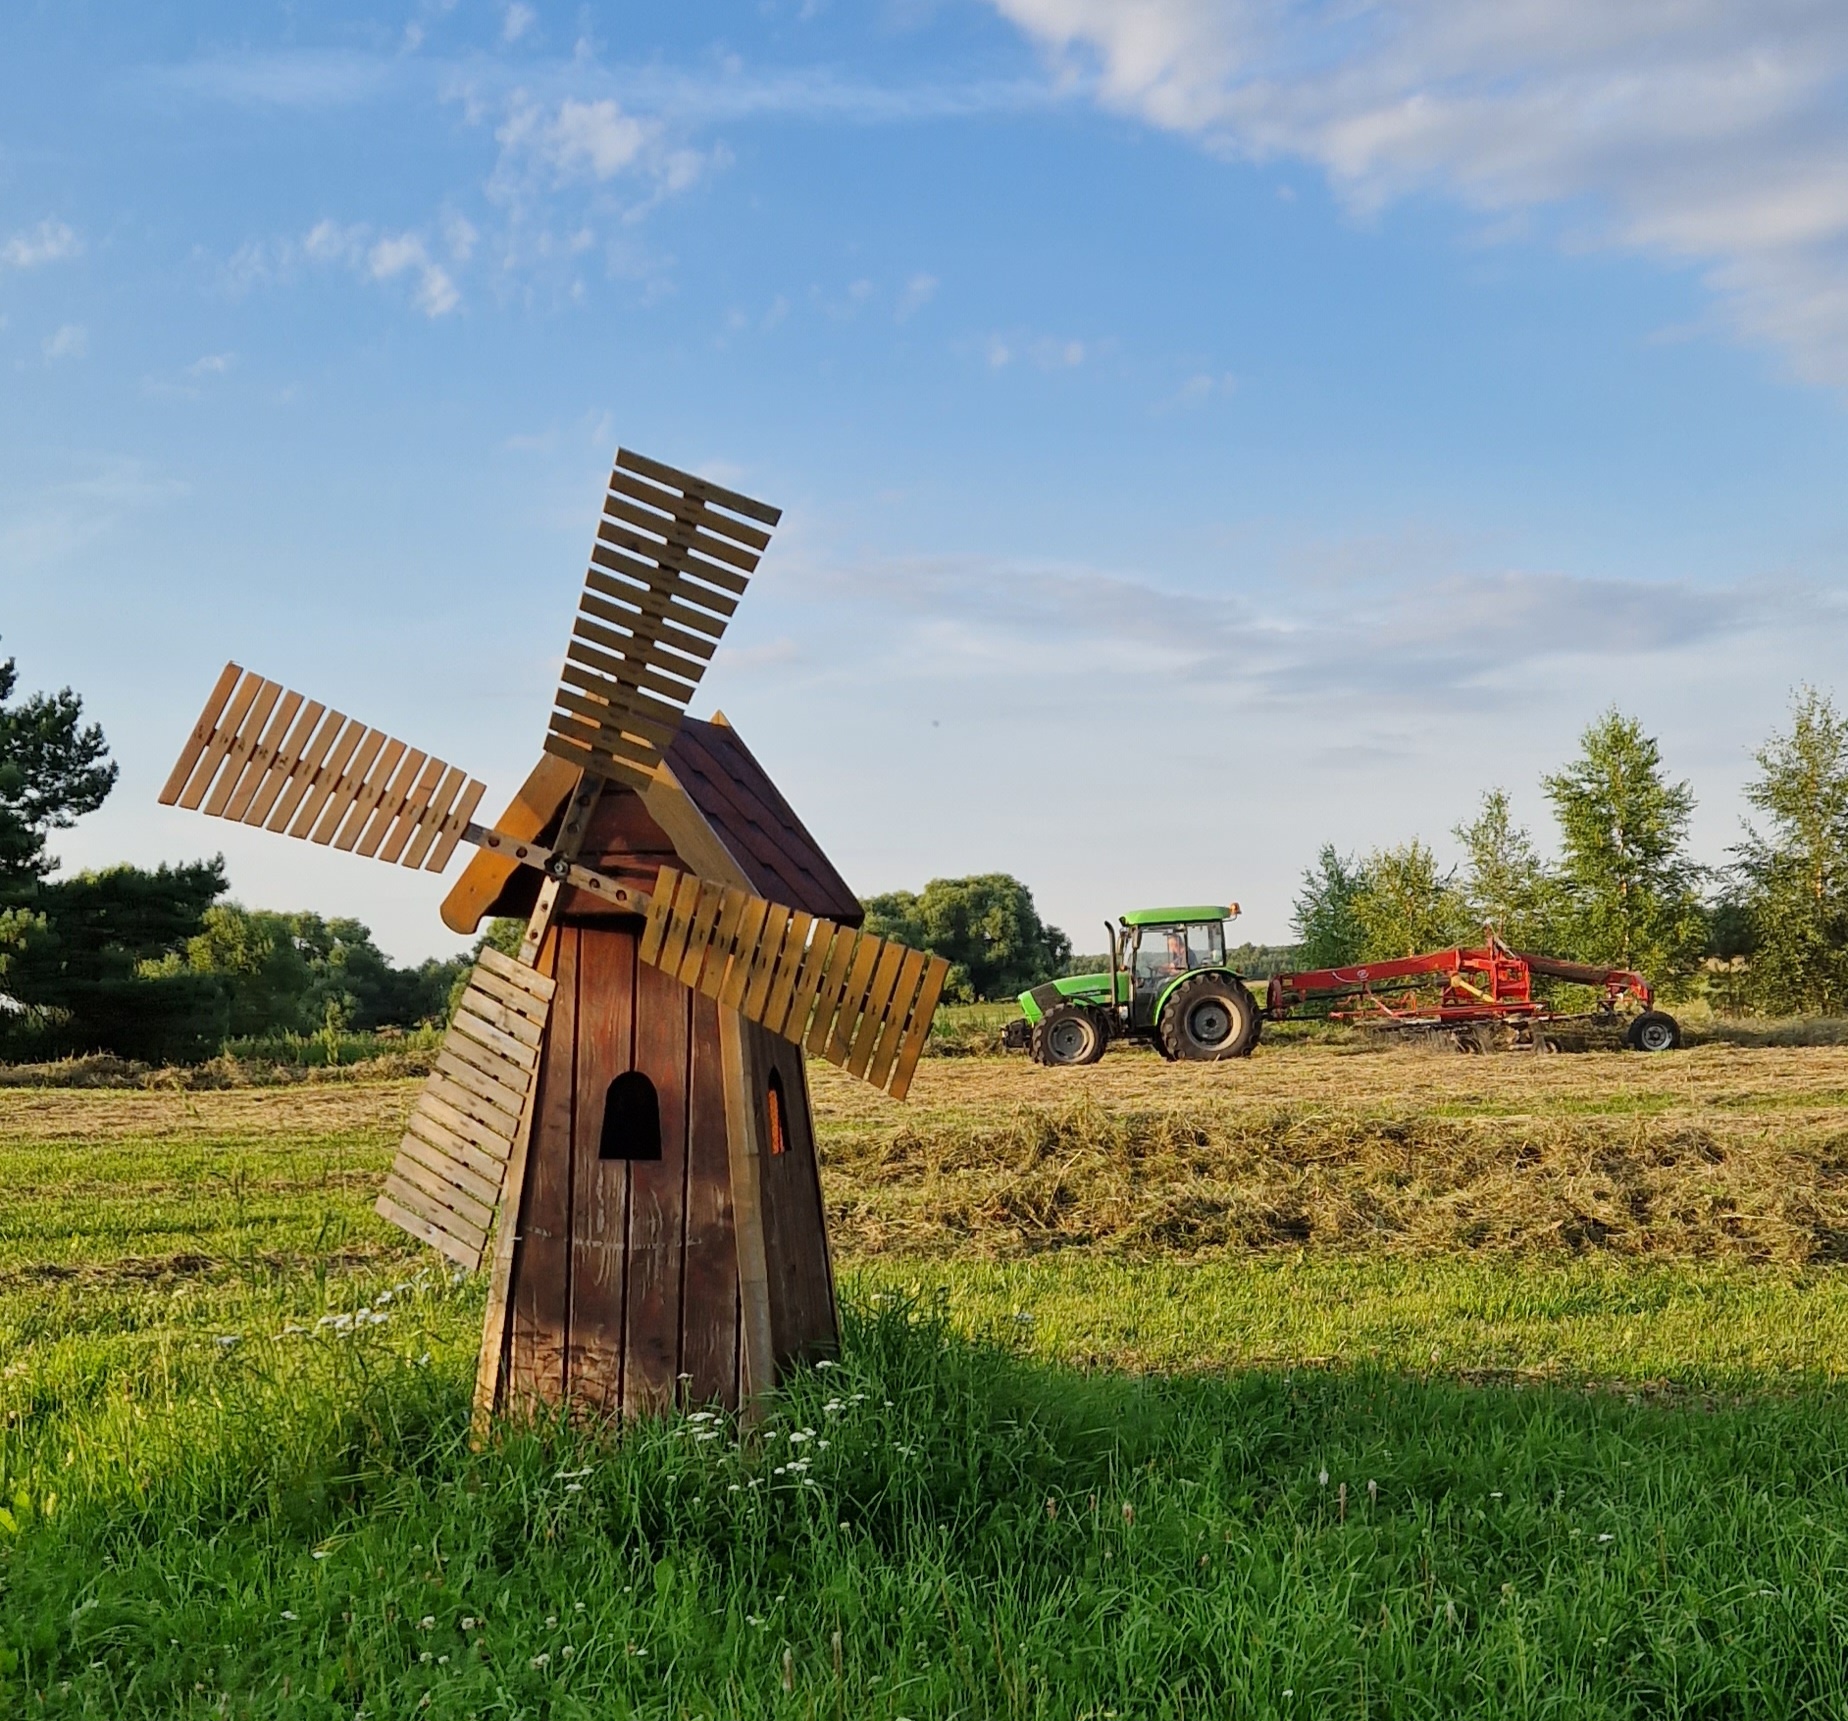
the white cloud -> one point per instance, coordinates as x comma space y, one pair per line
369, 255
49, 242
212, 364
516, 20
70, 341
578, 139
1711, 132
919, 291
393, 255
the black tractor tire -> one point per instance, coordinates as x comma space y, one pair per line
1069, 1034
1653, 1031
1209, 1018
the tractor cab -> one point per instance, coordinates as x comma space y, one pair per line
1168, 985
1158, 945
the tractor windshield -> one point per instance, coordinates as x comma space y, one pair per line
1164, 951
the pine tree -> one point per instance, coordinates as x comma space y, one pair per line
1505, 883
1796, 875
1327, 933
1630, 891
1405, 905
53, 769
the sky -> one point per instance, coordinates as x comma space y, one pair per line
1205, 429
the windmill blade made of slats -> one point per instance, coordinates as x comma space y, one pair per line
446, 1181
860, 1001
261, 755
673, 555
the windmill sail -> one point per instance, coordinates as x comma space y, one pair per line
672, 557
446, 1181
261, 755
859, 1001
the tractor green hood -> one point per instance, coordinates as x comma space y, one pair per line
1080, 988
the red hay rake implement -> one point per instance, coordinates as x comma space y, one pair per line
1466, 990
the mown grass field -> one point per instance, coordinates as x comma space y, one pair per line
1334, 1382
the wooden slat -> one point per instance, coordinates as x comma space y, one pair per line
479, 1006
795, 948
917, 1031
764, 953
468, 1208
454, 822
847, 1016
245, 748
609, 649
662, 589
445, 1160
458, 1251
480, 1146
389, 807
750, 936
201, 737
879, 996
642, 713
488, 1037
724, 936
483, 1085
529, 980
897, 1010
442, 800
833, 983
324, 787
674, 945
469, 1093
368, 791
509, 1072
688, 507
682, 542
287, 761
328, 729
687, 482
652, 637
794, 1025
431, 1207
660, 912
700, 933
507, 994
269, 750
221, 740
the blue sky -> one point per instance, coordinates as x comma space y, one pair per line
1204, 430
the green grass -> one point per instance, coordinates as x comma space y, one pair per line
1071, 1484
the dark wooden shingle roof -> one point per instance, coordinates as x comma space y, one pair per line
760, 828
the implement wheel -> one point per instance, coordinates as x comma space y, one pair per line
1209, 1018
1653, 1031
1069, 1034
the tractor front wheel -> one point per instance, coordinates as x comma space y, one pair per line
1069, 1034
1209, 1018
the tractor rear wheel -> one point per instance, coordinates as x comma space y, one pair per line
1653, 1031
1209, 1018
1069, 1034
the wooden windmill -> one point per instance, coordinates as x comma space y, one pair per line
618, 1124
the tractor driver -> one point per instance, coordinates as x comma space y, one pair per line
1156, 962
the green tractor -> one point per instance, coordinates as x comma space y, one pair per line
1168, 985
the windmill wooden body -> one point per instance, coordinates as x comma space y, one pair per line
619, 1125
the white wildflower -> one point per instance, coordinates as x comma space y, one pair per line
542, 1659
288, 1613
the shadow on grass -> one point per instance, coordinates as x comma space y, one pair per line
939, 1525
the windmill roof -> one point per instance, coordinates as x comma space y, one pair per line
748, 814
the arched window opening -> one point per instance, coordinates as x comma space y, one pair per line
631, 1119
779, 1123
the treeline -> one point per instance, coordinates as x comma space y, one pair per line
153, 964
1768, 931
